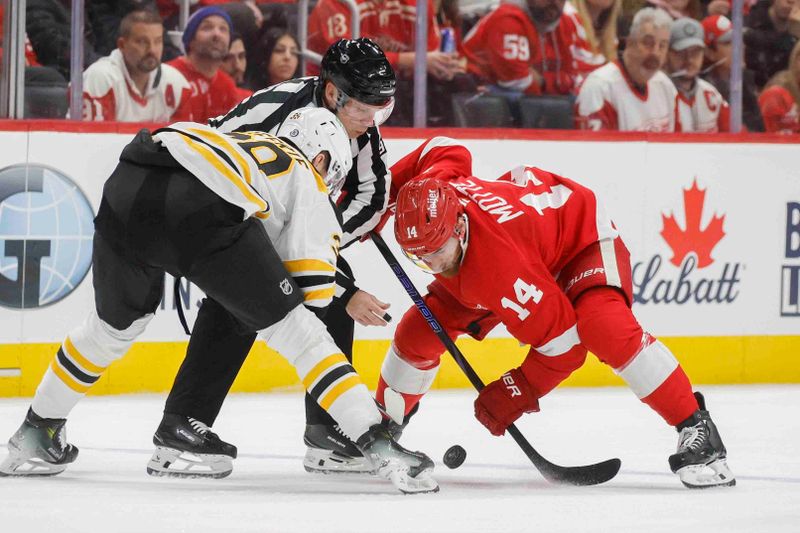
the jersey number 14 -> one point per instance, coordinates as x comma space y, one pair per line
524, 292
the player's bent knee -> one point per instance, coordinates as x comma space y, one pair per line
405, 376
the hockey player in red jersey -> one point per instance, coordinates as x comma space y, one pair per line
537, 252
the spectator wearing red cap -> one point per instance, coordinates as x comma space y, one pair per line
701, 107
718, 32
206, 40
780, 101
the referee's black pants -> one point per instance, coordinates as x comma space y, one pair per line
217, 349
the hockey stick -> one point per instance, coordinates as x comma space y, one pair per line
573, 475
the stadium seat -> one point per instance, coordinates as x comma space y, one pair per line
481, 111
45, 93
547, 112
46, 101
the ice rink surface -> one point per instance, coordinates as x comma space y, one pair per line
496, 490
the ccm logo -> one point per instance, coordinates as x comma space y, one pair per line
511, 385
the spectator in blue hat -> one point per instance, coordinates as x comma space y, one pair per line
206, 41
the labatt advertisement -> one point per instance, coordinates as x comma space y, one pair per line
691, 272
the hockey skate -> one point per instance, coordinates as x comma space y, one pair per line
331, 452
187, 448
38, 448
700, 461
410, 472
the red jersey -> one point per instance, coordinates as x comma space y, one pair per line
780, 111
210, 97
524, 227
505, 45
390, 23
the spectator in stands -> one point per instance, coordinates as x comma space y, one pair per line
235, 65
679, 8
596, 37
718, 32
278, 53
524, 48
632, 94
393, 30
206, 40
772, 29
600, 18
780, 101
131, 84
701, 107
105, 17
47, 23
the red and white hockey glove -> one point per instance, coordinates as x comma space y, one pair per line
501, 402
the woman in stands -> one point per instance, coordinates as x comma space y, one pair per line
278, 54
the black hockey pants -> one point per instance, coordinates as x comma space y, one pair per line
217, 350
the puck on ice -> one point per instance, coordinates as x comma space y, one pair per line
454, 456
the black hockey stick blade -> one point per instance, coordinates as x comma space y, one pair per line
570, 475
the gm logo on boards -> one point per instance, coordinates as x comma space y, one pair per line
46, 228
790, 273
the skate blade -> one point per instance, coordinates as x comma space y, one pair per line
19, 466
169, 462
318, 461
715, 474
423, 483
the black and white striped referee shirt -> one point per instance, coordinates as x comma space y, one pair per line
365, 192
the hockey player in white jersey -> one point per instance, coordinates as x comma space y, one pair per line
247, 218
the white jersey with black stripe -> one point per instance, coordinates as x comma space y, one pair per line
365, 193
274, 183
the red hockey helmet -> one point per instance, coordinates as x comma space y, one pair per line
426, 216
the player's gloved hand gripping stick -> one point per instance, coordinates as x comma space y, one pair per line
573, 475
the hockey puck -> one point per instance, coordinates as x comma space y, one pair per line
454, 456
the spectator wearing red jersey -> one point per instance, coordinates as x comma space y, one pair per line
206, 40
632, 94
524, 47
717, 70
701, 107
780, 101
131, 84
235, 65
392, 25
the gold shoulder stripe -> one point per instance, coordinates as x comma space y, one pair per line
212, 158
323, 366
221, 139
343, 386
304, 265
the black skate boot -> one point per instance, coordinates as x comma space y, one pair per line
700, 461
38, 448
331, 452
409, 472
187, 448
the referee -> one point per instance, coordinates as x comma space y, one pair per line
357, 83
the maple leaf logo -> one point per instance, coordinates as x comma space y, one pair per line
692, 239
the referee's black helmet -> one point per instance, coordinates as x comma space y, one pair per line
359, 68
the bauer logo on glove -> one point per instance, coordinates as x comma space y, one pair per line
503, 401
